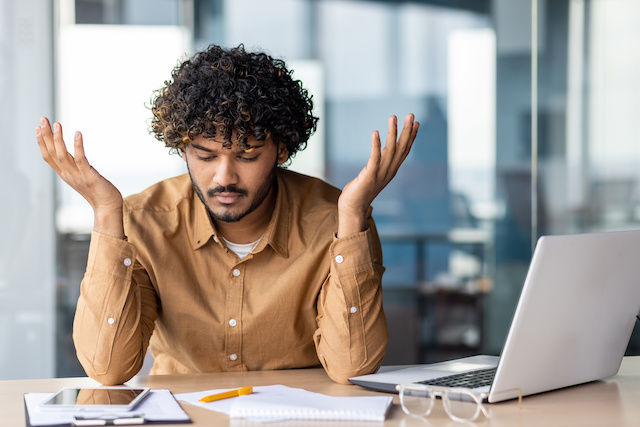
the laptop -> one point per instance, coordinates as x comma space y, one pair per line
572, 324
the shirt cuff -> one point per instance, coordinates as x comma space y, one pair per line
110, 255
352, 254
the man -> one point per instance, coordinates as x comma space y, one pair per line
239, 264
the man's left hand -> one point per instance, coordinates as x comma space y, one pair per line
383, 164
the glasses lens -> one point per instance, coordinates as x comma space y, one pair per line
416, 402
462, 406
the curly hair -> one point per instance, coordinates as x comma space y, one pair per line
233, 93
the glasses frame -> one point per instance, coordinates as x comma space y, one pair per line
432, 393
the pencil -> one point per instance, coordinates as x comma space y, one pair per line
227, 394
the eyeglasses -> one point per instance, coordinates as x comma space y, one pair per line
461, 404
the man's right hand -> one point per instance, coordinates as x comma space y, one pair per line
102, 195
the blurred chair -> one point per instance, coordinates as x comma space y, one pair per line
611, 200
461, 211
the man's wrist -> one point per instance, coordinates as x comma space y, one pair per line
109, 222
350, 224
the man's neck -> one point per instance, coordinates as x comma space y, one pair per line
251, 227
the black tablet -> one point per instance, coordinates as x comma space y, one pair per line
119, 398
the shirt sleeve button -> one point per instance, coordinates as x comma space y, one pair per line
339, 259
127, 262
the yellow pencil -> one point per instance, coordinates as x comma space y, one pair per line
227, 394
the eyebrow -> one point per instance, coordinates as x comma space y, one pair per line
200, 147
208, 150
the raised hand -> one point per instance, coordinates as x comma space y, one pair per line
75, 170
382, 166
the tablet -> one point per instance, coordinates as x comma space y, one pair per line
119, 398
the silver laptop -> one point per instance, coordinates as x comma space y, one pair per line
572, 324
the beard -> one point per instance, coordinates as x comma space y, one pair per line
260, 196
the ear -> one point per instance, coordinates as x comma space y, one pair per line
283, 153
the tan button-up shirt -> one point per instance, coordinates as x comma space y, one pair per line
301, 298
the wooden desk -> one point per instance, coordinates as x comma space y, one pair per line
610, 402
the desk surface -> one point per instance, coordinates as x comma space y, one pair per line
613, 401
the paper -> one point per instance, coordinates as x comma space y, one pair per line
159, 406
278, 403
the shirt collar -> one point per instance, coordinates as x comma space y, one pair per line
276, 234
203, 230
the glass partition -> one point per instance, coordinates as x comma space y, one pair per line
588, 107
528, 127
27, 242
522, 133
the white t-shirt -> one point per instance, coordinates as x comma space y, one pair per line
242, 250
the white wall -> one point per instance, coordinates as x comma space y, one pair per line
614, 64
27, 242
106, 75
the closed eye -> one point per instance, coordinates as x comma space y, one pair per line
205, 158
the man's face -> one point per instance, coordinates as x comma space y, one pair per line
231, 182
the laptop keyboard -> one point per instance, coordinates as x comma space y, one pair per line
473, 379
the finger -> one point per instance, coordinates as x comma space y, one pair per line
47, 135
79, 157
407, 130
44, 124
414, 134
389, 151
407, 137
78, 149
44, 151
375, 156
400, 144
63, 157
392, 134
44, 138
414, 130
403, 147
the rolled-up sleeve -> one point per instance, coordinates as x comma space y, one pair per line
352, 331
116, 312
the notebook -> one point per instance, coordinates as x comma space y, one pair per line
572, 324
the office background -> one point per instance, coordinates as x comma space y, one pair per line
526, 129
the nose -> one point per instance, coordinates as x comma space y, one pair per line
225, 173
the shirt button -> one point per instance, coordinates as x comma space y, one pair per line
236, 272
339, 259
233, 357
233, 322
111, 320
127, 262
353, 310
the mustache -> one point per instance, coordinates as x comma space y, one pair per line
228, 189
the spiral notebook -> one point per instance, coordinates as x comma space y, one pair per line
279, 403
